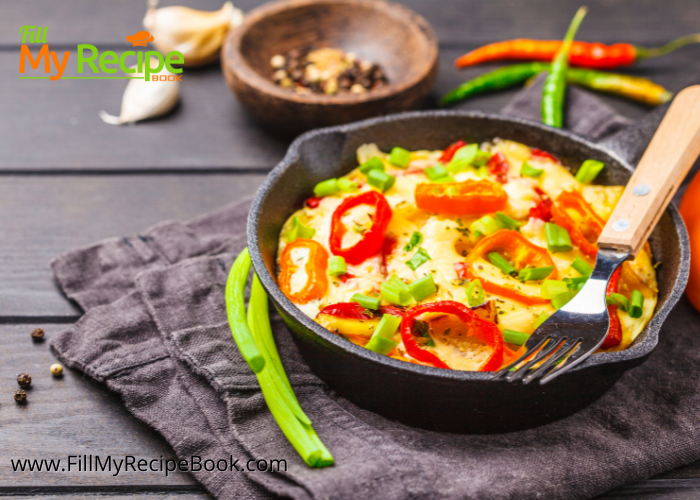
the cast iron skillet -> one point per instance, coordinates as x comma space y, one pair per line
432, 398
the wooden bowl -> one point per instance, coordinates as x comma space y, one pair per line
399, 40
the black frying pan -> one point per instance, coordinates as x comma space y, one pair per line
450, 400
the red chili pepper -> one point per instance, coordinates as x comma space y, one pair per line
461, 198
316, 266
543, 210
615, 332
372, 240
544, 154
584, 227
589, 55
498, 165
353, 310
313, 202
483, 330
345, 277
450, 151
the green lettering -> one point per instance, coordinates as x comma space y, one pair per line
108, 57
150, 55
89, 60
122, 63
169, 59
139, 62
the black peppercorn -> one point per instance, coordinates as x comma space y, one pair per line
24, 380
20, 397
38, 335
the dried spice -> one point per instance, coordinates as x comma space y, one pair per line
24, 380
197, 34
20, 397
326, 71
145, 99
37, 335
56, 370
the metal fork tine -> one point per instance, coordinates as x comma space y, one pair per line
576, 358
520, 372
553, 359
504, 371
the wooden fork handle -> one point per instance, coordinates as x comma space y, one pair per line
670, 155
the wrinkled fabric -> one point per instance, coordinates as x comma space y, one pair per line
155, 331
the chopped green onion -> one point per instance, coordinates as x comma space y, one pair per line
563, 298
381, 345
506, 222
552, 288
535, 273
447, 178
395, 295
497, 260
463, 158
423, 288
479, 299
299, 230
581, 266
558, 239
636, 304
415, 240
435, 172
576, 283
397, 282
619, 300
380, 179
387, 326
326, 188
419, 258
589, 170
336, 266
366, 301
346, 185
400, 157
528, 170
374, 163
481, 158
486, 225
513, 337
541, 319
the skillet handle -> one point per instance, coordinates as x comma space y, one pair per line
670, 155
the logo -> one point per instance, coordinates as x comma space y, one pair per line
93, 64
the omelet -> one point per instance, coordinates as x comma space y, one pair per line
497, 234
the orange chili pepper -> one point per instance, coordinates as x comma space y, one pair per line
572, 212
316, 266
461, 198
515, 248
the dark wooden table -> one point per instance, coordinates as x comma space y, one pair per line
67, 179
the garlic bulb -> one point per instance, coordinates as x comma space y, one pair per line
197, 34
144, 99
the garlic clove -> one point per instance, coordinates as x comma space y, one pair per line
144, 99
197, 34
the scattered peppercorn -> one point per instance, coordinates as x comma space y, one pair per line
20, 397
56, 370
326, 71
24, 380
38, 335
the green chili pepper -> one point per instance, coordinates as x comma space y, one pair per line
555, 84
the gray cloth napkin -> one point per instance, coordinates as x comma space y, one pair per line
155, 331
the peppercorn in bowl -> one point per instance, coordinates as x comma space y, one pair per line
464, 398
301, 64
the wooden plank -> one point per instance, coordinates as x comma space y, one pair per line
69, 416
455, 21
44, 216
55, 125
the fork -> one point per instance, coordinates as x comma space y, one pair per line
577, 330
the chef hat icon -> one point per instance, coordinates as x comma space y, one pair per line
140, 39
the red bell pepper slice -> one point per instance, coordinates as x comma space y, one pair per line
313, 202
461, 198
450, 151
614, 336
513, 247
572, 212
543, 210
353, 310
483, 330
316, 266
372, 240
544, 154
498, 166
